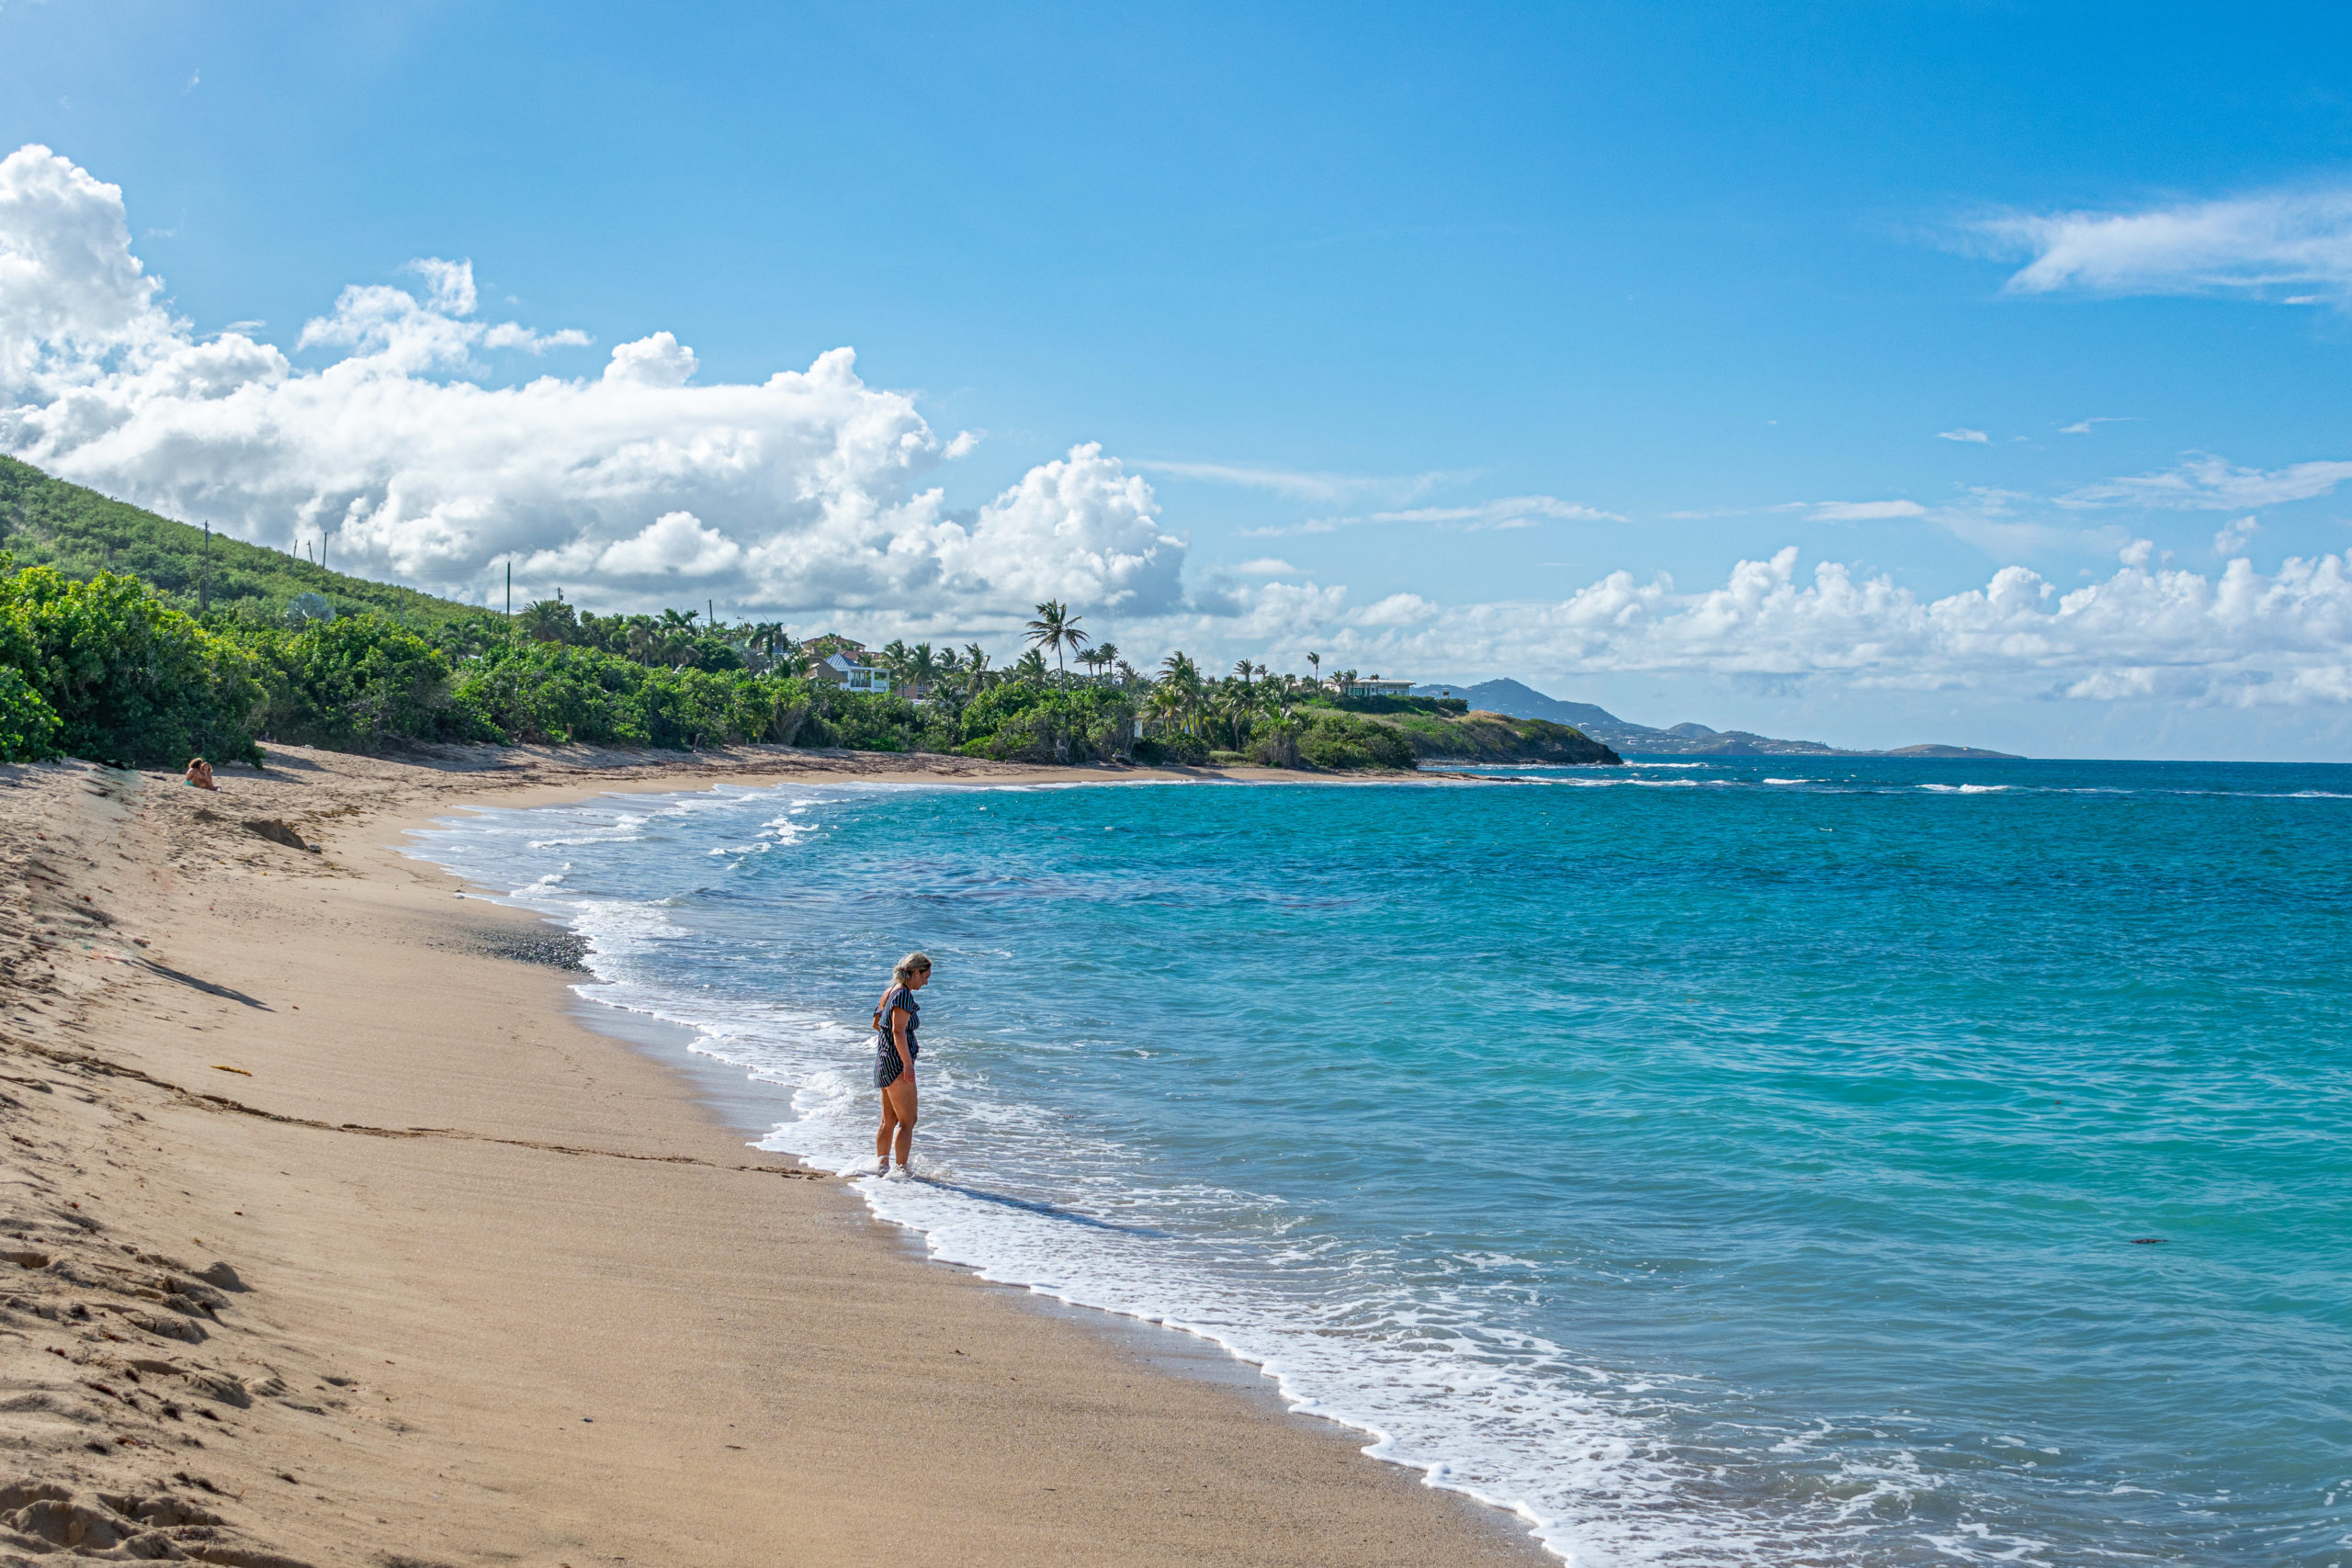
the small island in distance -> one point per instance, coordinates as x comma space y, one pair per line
1516, 700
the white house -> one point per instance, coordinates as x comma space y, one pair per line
1374, 686
840, 670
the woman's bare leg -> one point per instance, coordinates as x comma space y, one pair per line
898, 1113
882, 1138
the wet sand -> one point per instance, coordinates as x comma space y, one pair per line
332, 1234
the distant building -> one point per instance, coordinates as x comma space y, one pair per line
843, 669
826, 644
1374, 686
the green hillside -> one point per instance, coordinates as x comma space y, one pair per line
47, 522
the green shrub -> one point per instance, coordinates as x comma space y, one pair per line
1277, 751
1021, 721
359, 682
1395, 704
863, 721
27, 725
549, 692
1175, 750
1339, 741
131, 681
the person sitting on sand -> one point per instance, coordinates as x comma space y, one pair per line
895, 1050
199, 774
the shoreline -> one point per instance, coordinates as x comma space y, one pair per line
755, 1108
512, 1287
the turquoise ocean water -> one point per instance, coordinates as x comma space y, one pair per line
1839, 1162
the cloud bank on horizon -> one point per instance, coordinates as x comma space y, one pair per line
807, 496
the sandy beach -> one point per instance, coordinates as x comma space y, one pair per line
334, 1237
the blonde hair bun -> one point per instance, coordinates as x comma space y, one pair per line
913, 963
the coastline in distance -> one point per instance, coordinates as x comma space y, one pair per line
1516, 700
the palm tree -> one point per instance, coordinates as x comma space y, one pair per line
1056, 628
1314, 662
1242, 672
922, 667
1030, 667
1166, 702
1237, 706
1180, 685
977, 675
949, 686
1284, 733
1105, 655
548, 620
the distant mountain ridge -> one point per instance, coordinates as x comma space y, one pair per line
1516, 700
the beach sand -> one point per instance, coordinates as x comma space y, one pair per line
331, 1236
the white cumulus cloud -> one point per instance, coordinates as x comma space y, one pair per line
803, 493
1962, 433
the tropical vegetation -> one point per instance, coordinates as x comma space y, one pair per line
228, 645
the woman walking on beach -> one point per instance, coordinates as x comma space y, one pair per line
895, 1050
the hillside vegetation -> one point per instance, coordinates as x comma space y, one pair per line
47, 522
126, 639
1481, 737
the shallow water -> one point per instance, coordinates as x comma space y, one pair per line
1779, 1162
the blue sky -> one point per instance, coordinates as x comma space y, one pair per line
1450, 311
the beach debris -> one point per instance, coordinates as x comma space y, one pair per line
223, 1067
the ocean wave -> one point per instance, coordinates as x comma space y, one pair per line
1431, 1357
1475, 1406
